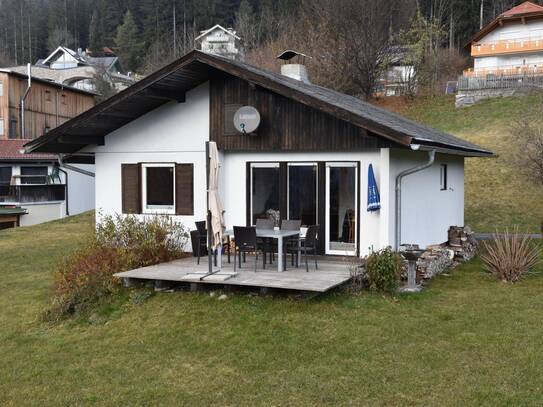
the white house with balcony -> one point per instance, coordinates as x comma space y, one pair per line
507, 55
219, 41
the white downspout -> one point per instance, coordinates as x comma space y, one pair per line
22, 102
399, 177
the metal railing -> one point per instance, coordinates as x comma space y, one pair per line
32, 193
510, 70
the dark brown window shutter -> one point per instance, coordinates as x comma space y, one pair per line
131, 188
184, 189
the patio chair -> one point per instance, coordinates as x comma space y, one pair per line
264, 244
201, 242
294, 241
201, 239
309, 245
245, 238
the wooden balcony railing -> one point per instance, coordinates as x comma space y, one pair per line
32, 193
503, 71
506, 47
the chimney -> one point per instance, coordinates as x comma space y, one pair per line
294, 65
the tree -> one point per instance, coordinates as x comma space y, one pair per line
247, 26
103, 85
59, 36
528, 137
128, 45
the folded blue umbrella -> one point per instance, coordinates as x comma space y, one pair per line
374, 200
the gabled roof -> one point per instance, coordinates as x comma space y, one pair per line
10, 150
229, 32
523, 8
63, 50
524, 11
196, 67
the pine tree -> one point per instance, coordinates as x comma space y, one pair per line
128, 46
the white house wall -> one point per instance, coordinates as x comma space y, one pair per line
40, 212
427, 212
175, 132
80, 190
513, 31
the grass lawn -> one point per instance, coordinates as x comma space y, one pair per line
467, 339
497, 195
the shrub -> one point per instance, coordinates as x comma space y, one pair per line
383, 270
509, 256
120, 243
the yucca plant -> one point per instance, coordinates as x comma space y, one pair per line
508, 256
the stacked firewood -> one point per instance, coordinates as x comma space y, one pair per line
460, 247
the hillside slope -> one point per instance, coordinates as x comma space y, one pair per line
498, 196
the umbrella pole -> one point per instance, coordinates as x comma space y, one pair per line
209, 233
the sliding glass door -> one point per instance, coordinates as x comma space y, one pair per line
264, 191
302, 192
341, 208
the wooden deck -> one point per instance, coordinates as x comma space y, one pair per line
330, 274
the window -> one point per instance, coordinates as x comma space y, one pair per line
13, 128
46, 129
158, 188
34, 175
63, 99
5, 176
443, 177
264, 190
1, 127
302, 192
47, 96
1, 88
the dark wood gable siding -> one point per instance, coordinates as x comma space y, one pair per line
286, 125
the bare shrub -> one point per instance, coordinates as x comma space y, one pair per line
85, 277
509, 256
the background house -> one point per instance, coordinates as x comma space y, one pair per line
47, 105
507, 55
36, 183
219, 41
79, 68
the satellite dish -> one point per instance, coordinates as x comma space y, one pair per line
246, 119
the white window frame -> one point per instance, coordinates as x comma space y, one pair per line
350, 164
157, 209
304, 164
274, 164
2, 126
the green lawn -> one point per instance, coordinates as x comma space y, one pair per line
497, 195
466, 340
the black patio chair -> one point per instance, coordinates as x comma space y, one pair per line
245, 242
264, 244
309, 244
200, 238
291, 242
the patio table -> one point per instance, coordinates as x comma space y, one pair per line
273, 234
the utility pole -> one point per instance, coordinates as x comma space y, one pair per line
481, 15
174, 33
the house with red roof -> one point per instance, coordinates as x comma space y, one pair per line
507, 55
34, 188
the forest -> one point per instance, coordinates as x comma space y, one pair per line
146, 34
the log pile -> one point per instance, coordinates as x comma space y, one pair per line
460, 247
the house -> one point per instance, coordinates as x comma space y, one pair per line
219, 41
399, 77
25, 179
507, 55
308, 158
79, 68
47, 105
35, 189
